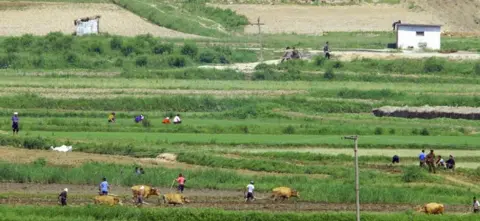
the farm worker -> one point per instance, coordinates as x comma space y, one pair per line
137, 171
140, 193
326, 50
287, 55
177, 120
181, 183
249, 195
104, 187
63, 197
430, 161
451, 163
440, 162
139, 118
295, 54
395, 159
421, 158
476, 205
111, 117
394, 25
15, 121
166, 120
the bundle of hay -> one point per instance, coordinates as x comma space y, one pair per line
427, 112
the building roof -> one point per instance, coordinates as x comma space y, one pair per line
418, 25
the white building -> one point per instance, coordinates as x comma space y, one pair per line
417, 36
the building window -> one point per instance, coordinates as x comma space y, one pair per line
420, 33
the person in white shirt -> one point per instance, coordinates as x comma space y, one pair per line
441, 162
249, 189
476, 205
177, 120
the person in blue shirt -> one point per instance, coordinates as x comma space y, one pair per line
15, 123
104, 187
421, 158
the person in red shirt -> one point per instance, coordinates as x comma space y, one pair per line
181, 183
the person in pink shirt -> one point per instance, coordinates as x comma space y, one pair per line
181, 182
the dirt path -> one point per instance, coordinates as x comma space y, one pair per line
352, 55
42, 18
124, 92
25, 194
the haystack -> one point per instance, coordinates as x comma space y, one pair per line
167, 157
427, 112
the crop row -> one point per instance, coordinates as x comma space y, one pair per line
89, 213
380, 190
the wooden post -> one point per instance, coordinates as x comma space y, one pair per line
259, 36
357, 185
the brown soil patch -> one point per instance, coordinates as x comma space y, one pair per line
202, 198
43, 18
103, 92
318, 19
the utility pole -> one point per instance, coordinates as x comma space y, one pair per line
357, 189
259, 36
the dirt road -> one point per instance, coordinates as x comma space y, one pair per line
351, 55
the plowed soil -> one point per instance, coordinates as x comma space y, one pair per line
24, 194
318, 19
43, 18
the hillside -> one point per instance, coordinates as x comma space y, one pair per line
20, 18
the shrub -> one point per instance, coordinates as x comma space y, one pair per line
391, 131
424, 132
141, 61
71, 57
41, 162
378, 131
223, 59
116, 43
415, 131
432, 65
289, 130
329, 74
263, 66
189, 49
415, 174
35, 143
118, 62
337, 64
176, 61
127, 49
319, 60
476, 69
96, 47
163, 48
207, 56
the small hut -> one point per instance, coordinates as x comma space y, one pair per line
87, 25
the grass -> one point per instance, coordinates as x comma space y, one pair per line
263, 139
377, 190
193, 17
89, 213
